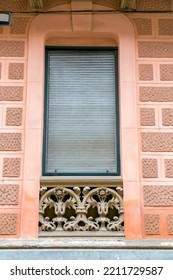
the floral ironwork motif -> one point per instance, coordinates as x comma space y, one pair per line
81, 208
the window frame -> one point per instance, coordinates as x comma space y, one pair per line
46, 99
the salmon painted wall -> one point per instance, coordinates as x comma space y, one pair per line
145, 43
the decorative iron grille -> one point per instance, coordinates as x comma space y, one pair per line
81, 208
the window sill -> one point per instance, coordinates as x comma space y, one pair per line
82, 234
82, 180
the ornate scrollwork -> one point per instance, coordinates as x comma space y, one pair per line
81, 208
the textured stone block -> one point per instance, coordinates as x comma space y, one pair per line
12, 48
166, 72
11, 167
11, 93
165, 27
16, 71
158, 196
157, 142
170, 224
19, 25
145, 72
156, 94
153, 5
152, 224
143, 26
13, 5
149, 168
9, 194
10, 141
155, 49
169, 168
167, 117
13, 117
8, 223
1, 30
147, 116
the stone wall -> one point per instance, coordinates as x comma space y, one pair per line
154, 68
154, 78
13, 65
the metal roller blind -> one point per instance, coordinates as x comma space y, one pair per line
81, 112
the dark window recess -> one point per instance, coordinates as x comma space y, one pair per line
81, 128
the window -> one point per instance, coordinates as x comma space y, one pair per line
81, 129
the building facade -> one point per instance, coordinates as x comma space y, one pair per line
141, 33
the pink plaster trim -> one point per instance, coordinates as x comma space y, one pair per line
114, 27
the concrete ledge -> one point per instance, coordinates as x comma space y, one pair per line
78, 254
86, 243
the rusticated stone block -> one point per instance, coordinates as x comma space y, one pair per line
147, 116
1, 30
145, 72
153, 5
155, 49
158, 196
166, 72
15, 6
14, 116
157, 142
169, 168
10, 141
12, 48
143, 26
152, 224
11, 93
165, 26
170, 224
156, 94
167, 117
19, 25
11, 167
9, 194
8, 223
149, 168
16, 71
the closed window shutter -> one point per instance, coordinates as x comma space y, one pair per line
81, 112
